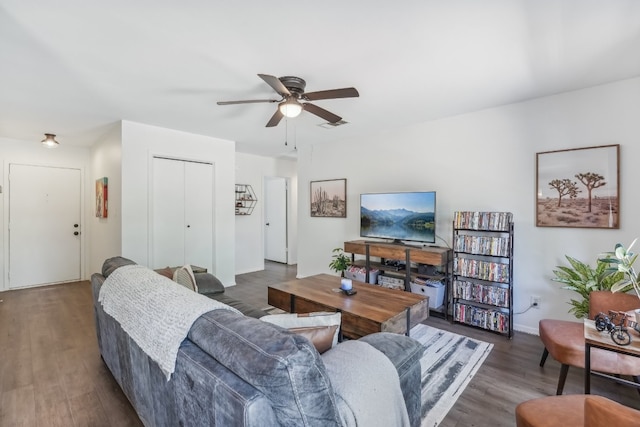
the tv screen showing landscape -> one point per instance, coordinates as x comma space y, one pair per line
399, 216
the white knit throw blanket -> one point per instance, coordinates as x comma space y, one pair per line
155, 311
366, 385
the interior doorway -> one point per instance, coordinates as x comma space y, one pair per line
44, 225
276, 219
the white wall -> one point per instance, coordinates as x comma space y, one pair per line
251, 169
139, 144
106, 233
485, 161
33, 153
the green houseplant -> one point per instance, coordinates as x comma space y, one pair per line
340, 261
584, 279
620, 263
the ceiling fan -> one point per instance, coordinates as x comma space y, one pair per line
291, 90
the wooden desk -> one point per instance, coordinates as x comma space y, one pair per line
594, 338
372, 309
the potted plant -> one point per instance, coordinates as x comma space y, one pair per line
584, 279
340, 261
621, 261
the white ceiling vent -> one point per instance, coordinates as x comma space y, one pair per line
329, 125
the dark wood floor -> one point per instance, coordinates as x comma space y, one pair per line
51, 373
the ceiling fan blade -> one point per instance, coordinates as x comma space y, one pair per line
275, 119
347, 92
276, 84
321, 112
248, 101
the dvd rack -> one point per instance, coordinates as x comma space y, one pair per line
482, 288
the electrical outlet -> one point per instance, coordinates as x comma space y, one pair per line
535, 301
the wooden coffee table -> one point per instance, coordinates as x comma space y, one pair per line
372, 309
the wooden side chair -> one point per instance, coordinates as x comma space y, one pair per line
564, 340
575, 410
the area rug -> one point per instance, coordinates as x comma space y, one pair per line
448, 364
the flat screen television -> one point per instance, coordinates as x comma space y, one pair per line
408, 216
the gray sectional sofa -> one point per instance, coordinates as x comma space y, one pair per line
235, 370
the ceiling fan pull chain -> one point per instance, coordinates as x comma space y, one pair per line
286, 131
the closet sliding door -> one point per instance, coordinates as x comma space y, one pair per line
198, 210
182, 213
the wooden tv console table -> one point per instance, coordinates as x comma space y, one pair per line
428, 255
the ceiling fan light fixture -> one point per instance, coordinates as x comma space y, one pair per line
49, 140
290, 108
292, 91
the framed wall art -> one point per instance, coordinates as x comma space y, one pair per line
579, 187
329, 198
101, 197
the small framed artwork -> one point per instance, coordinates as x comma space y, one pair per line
101, 197
579, 187
329, 198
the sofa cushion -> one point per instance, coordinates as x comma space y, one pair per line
208, 284
111, 264
241, 306
321, 328
284, 367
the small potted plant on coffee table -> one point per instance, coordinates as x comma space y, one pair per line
340, 261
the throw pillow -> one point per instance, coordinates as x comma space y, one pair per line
166, 272
208, 284
184, 276
321, 328
320, 336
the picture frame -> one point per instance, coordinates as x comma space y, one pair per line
102, 200
328, 198
578, 187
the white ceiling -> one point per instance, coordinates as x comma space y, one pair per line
76, 67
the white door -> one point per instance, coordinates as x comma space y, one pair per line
168, 228
275, 224
199, 214
182, 213
44, 225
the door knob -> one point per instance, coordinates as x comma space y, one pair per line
75, 225
267, 224
188, 226
75, 233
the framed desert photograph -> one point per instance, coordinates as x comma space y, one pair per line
578, 187
329, 198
